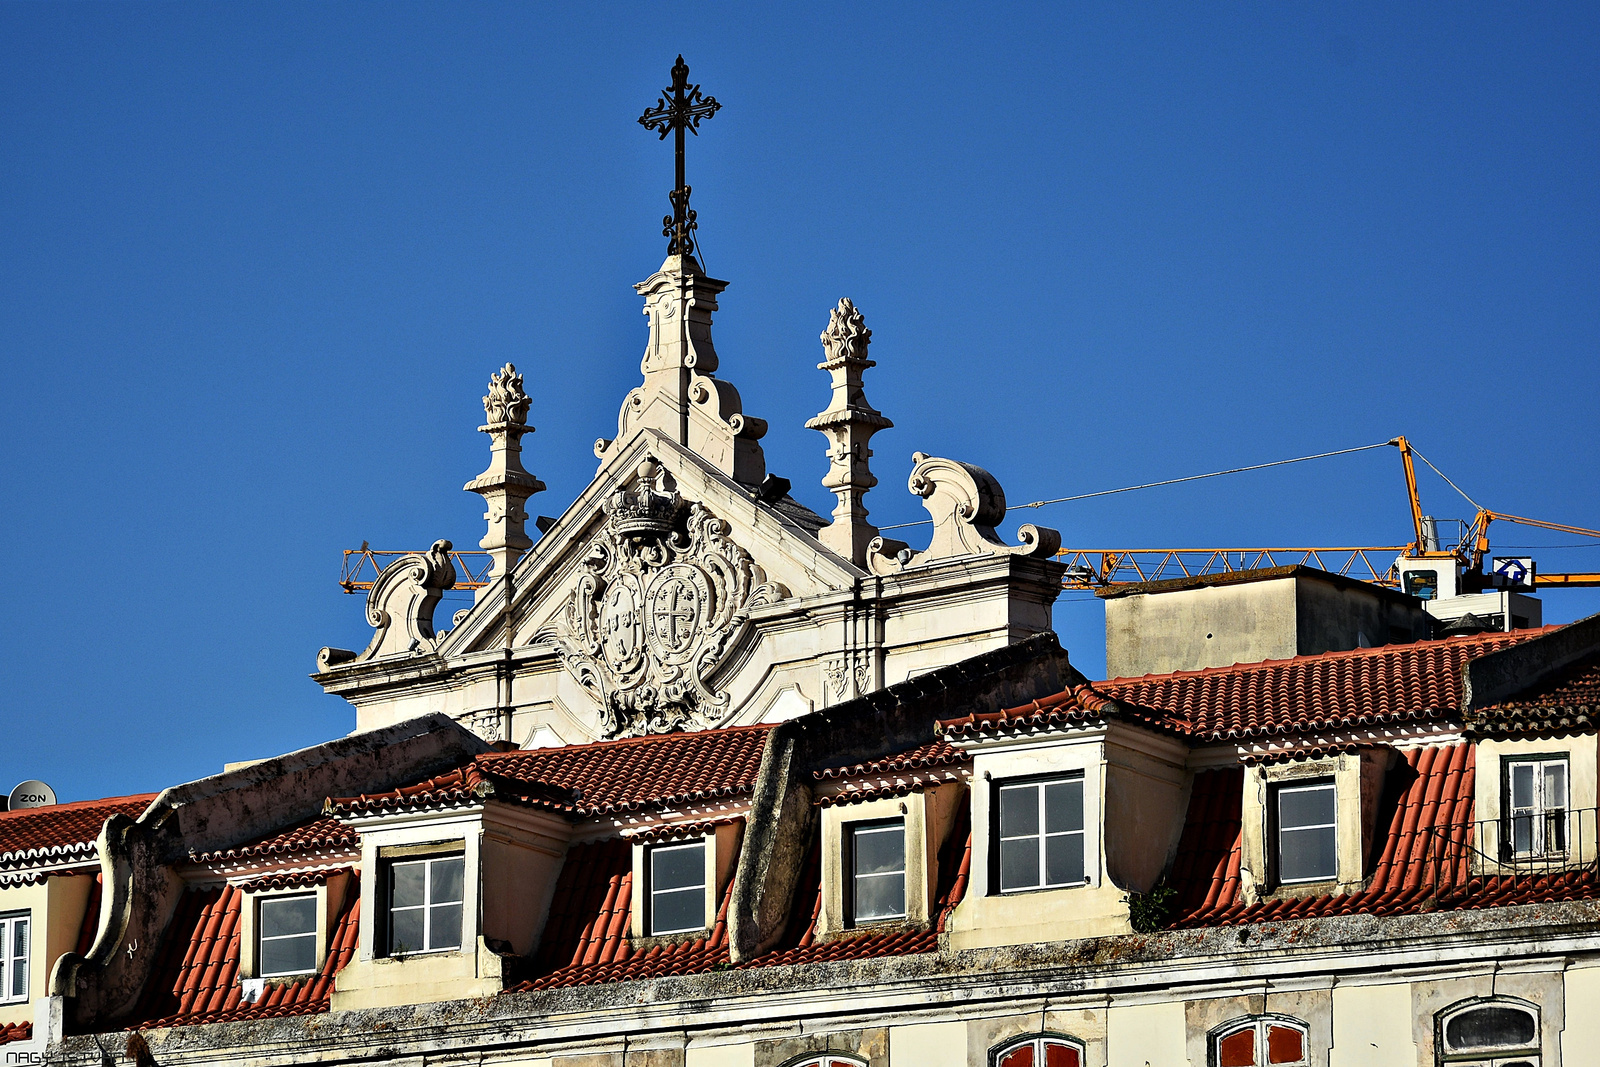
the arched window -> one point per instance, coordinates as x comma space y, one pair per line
826, 1059
1489, 1033
1264, 1041
1045, 1050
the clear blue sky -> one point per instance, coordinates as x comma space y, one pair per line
257, 262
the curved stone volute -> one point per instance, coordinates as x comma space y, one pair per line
965, 503
400, 606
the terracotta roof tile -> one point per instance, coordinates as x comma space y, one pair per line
1362, 687
322, 834
1082, 705
1420, 861
628, 774
195, 977
10, 1032
1567, 701
936, 753
40, 835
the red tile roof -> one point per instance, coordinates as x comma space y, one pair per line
1419, 861
1567, 701
936, 753
586, 938
1334, 690
35, 835
10, 1032
322, 834
196, 976
1362, 687
628, 774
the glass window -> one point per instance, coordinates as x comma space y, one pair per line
286, 940
1041, 834
677, 888
1536, 806
1260, 1043
1489, 1035
14, 944
878, 871
1308, 843
1041, 1052
826, 1061
425, 904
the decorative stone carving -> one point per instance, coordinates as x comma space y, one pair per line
965, 503
848, 423
505, 486
662, 600
400, 607
680, 397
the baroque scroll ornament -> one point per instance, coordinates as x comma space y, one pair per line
662, 600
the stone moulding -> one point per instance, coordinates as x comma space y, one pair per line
663, 599
965, 503
400, 608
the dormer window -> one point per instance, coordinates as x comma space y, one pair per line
878, 871
1041, 834
1536, 806
14, 944
678, 888
425, 898
287, 935
1307, 832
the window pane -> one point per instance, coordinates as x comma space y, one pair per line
1019, 864
19, 938
1063, 806
1490, 1028
678, 867
444, 930
881, 896
292, 915
405, 932
1305, 807
880, 850
1285, 1045
446, 884
1307, 855
1555, 785
1522, 785
1522, 833
289, 955
678, 910
1237, 1050
1019, 811
1063, 859
1018, 1057
1059, 1055
406, 884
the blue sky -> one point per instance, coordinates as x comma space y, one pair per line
257, 262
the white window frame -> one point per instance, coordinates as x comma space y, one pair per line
855, 830
826, 1059
1544, 815
428, 905
651, 853
1038, 1043
1082, 832
1488, 1056
1329, 785
261, 939
10, 962
1259, 1025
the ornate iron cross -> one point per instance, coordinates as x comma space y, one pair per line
680, 107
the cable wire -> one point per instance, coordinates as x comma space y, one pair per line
1442, 474
1188, 478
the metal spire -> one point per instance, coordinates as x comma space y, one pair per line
679, 108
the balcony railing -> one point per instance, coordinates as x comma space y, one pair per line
1538, 845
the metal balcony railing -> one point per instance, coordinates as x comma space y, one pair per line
1536, 845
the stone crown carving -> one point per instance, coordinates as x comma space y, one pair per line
662, 599
965, 503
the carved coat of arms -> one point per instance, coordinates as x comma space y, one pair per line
663, 598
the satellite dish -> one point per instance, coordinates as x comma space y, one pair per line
32, 794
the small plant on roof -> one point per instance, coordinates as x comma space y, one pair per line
1152, 911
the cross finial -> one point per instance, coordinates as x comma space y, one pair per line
679, 108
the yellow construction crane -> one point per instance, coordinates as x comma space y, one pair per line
1094, 568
